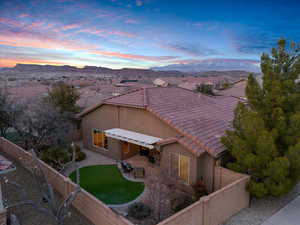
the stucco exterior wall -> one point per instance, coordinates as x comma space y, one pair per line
113, 148
134, 119
141, 121
206, 165
179, 149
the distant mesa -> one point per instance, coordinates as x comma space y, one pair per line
205, 68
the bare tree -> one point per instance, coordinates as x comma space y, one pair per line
43, 124
58, 212
8, 112
161, 188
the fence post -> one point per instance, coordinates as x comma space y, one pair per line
205, 201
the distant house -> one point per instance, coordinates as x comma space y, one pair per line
160, 83
237, 90
180, 130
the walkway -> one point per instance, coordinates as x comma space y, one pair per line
92, 158
289, 215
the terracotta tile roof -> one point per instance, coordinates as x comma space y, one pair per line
237, 90
200, 119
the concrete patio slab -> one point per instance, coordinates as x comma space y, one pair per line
92, 158
289, 215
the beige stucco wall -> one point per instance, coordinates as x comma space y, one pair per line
213, 209
179, 149
134, 119
206, 165
139, 120
89, 206
224, 177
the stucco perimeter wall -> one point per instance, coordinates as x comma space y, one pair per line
2, 210
217, 207
224, 176
93, 209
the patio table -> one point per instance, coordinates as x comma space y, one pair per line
139, 172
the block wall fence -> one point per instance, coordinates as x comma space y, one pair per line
229, 197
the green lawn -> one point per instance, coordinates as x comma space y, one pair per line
107, 184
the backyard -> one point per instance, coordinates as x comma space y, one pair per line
107, 184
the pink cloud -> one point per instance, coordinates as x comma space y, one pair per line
132, 21
23, 15
103, 32
13, 62
134, 56
11, 22
71, 26
27, 39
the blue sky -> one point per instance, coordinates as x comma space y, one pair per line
142, 33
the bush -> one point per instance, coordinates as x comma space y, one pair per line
180, 202
200, 189
55, 157
139, 211
80, 156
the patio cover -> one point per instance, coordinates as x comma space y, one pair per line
132, 137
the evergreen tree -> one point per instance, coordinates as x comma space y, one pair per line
64, 97
205, 89
265, 139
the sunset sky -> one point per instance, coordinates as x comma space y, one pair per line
142, 33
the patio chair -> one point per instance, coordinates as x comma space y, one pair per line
139, 172
126, 167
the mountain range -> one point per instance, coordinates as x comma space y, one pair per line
212, 65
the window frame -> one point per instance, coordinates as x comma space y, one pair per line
178, 172
103, 141
189, 165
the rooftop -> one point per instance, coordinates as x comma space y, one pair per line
201, 119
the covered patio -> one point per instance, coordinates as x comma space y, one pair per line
133, 143
139, 152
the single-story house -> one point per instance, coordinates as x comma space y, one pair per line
178, 128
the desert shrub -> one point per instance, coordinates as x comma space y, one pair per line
55, 157
139, 211
80, 156
205, 89
181, 201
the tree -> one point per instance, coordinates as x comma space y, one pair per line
205, 89
265, 139
64, 97
8, 112
43, 124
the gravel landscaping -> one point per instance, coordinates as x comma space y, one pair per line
26, 214
262, 209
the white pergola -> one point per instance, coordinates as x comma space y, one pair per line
132, 137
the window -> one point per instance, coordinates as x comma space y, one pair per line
99, 138
184, 168
180, 167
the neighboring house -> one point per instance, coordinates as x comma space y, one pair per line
238, 90
179, 128
160, 83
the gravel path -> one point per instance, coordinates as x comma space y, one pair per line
261, 209
26, 214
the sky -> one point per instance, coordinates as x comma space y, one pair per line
142, 33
